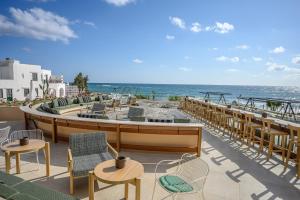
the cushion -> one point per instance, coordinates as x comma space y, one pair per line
9, 179
70, 101
83, 164
182, 120
88, 143
80, 100
175, 184
55, 103
7, 191
41, 192
22, 197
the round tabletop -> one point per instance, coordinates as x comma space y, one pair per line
15, 146
108, 173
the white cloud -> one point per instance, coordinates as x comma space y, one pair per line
257, 59
119, 2
196, 27
187, 57
176, 21
296, 60
214, 49
220, 27
92, 24
170, 37
272, 66
243, 47
228, 59
278, 50
137, 61
38, 24
40, 1
232, 70
26, 49
185, 69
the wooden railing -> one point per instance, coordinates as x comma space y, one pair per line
169, 137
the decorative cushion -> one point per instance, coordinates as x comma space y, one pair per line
175, 184
7, 191
55, 103
83, 164
80, 100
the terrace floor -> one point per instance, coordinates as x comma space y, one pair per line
235, 172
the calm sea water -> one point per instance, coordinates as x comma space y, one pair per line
163, 91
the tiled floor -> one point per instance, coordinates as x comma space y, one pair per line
236, 172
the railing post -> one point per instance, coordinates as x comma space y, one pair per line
54, 131
199, 142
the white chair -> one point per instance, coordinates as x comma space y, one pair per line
4, 133
31, 134
189, 177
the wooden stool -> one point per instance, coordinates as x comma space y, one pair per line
226, 120
271, 134
294, 141
249, 128
236, 127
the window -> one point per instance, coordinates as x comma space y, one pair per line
9, 94
34, 76
37, 91
1, 93
26, 92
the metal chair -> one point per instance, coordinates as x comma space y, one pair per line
31, 134
188, 178
4, 134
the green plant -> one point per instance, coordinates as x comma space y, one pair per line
140, 96
174, 98
273, 105
81, 81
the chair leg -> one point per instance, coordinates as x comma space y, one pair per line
71, 184
37, 159
288, 155
154, 189
270, 151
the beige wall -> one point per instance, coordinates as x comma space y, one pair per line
11, 113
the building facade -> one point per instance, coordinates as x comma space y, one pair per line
22, 81
72, 90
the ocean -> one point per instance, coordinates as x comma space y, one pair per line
163, 91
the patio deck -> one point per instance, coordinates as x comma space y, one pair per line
235, 172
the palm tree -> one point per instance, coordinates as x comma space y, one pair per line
81, 81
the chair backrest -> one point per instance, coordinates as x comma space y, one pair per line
194, 170
4, 133
31, 134
135, 112
266, 124
87, 143
98, 107
124, 100
248, 117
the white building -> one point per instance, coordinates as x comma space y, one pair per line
22, 81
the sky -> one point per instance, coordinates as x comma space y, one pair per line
221, 42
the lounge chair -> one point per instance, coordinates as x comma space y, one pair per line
135, 112
85, 152
98, 108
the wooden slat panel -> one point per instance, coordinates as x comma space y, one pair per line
129, 128
165, 130
159, 148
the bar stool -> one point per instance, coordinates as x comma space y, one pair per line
236, 126
249, 128
294, 141
226, 120
271, 134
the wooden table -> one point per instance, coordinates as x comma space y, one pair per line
106, 172
14, 148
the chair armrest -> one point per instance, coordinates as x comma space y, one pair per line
112, 150
70, 160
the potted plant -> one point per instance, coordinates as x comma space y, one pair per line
264, 115
228, 106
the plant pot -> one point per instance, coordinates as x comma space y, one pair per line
205, 100
120, 162
24, 141
228, 106
264, 115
